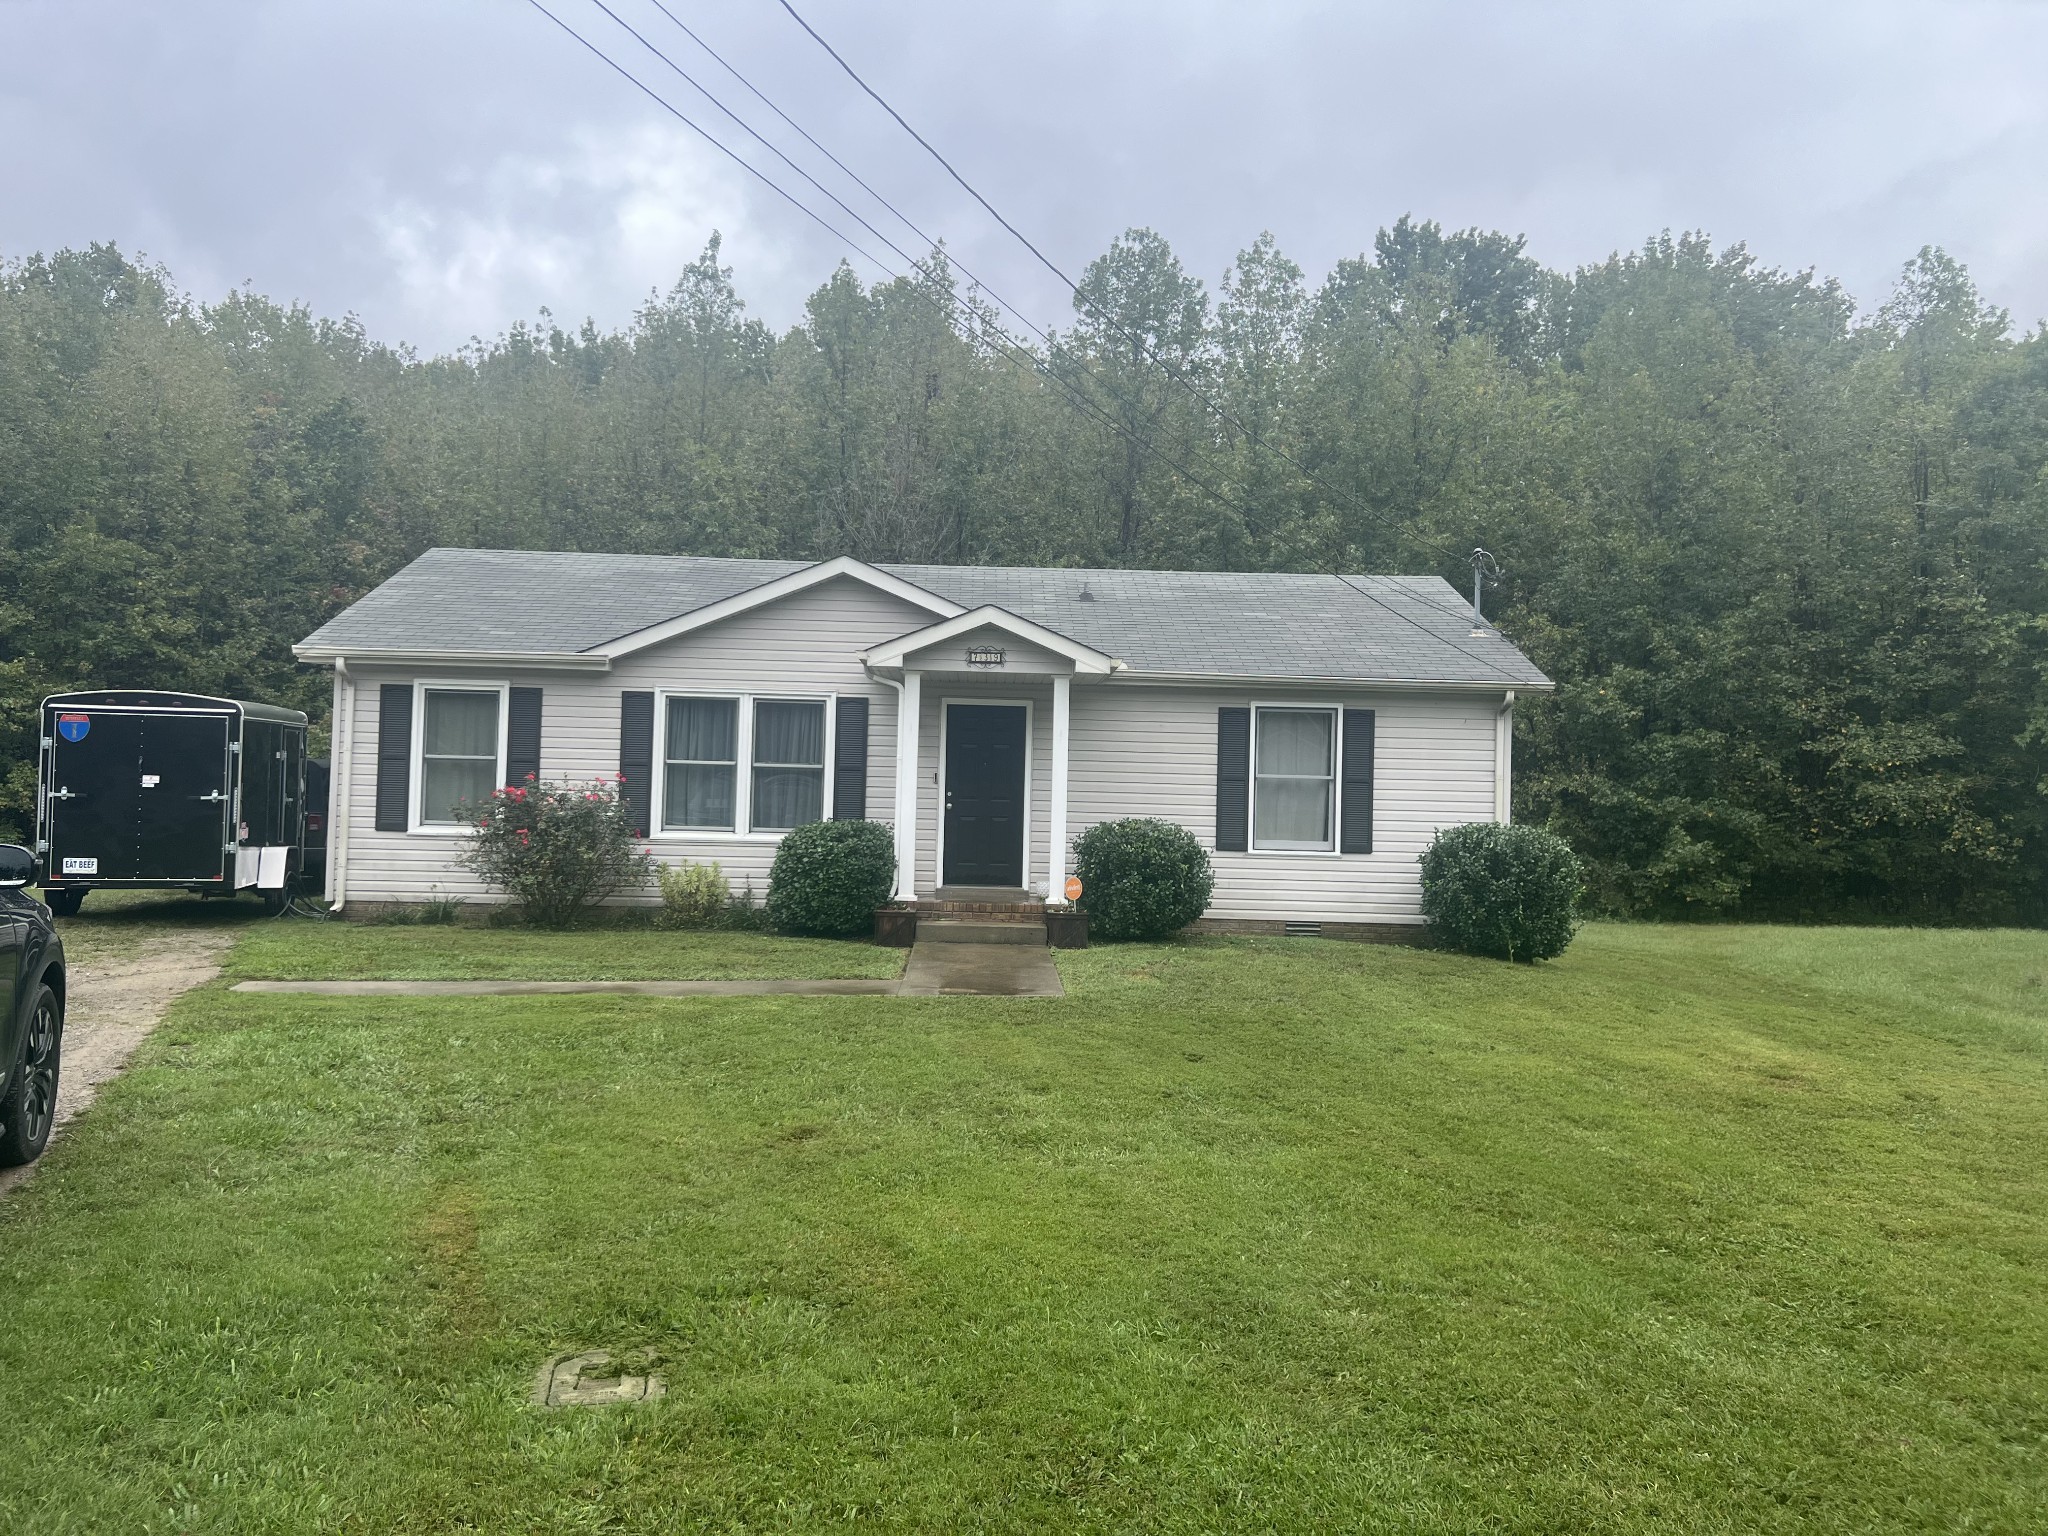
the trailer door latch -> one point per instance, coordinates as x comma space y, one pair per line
211, 799
62, 794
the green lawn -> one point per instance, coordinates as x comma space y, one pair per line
341, 951
1716, 1230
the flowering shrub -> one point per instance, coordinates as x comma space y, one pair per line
556, 849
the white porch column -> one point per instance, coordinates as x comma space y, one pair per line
909, 704
1056, 861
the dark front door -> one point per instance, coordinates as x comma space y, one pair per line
984, 795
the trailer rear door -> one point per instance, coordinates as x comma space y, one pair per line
138, 796
186, 823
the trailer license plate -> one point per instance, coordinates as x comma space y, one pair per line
81, 866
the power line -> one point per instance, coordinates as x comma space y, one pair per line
947, 314
704, 134
1081, 401
1410, 619
884, 105
1053, 267
1016, 312
758, 95
1065, 386
748, 128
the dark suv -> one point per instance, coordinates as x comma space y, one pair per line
32, 1025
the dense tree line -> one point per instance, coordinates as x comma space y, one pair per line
1788, 565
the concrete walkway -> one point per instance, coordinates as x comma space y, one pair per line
980, 970
871, 988
934, 970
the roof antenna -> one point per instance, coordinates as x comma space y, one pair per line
1086, 595
1485, 572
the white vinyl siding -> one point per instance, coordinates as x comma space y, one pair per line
1149, 750
1137, 750
804, 644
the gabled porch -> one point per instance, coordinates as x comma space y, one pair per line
982, 761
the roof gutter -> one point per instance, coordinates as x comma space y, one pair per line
569, 661
1383, 684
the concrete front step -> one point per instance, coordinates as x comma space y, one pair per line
958, 930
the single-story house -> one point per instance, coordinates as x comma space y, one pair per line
1312, 731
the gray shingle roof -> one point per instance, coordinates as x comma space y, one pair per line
1412, 629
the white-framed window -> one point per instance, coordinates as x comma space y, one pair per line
1294, 779
461, 751
789, 764
700, 765
741, 765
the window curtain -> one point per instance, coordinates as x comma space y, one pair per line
700, 794
458, 753
789, 764
1295, 759
788, 732
703, 730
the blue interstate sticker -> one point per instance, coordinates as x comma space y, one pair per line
73, 727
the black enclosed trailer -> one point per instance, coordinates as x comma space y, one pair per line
142, 788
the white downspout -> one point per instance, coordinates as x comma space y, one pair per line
908, 702
1504, 760
343, 747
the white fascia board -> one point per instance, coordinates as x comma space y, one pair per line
768, 592
1240, 680
1085, 658
569, 661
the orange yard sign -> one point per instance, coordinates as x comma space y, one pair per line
1073, 887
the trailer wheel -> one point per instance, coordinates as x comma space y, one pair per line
275, 902
62, 902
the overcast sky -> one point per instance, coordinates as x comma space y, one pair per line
445, 167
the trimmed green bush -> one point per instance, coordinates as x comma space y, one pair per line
1141, 878
829, 877
1509, 892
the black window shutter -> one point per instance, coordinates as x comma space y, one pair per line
636, 757
1355, 807
1233, 779
850, 762
394, 757
522, 736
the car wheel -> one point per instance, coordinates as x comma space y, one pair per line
63, 903
28, 1109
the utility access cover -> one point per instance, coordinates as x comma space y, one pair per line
588, 1379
